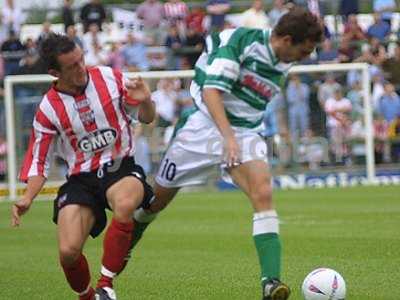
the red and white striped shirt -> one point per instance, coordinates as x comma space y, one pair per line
89, 130
175, 11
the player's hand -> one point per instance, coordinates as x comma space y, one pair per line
232, 152
138, 90
18, 209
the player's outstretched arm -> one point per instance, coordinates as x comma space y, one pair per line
138, 89
213, 99
35, 184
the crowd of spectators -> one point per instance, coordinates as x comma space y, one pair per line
330, 105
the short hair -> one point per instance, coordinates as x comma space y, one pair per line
301, 25
52, 47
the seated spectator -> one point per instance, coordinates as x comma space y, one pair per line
165, 98
72, 34
151, 12
194, 43
45, 33
93, 13
195, 20
174, 44
3, 159
328, 54
379, 30
386, 9
389, 103
115, 58
394, 136
298, 98
255, 17
30, 46
31, 64
217, 10
374, 53
12, 50
346, 50
352, 30
338, 110
97, 56
391, 68
94, 35
278, 10
134, 53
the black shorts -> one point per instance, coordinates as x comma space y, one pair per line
90, 188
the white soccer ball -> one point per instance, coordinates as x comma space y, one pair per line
324, 284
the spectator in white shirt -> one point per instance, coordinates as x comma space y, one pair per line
165, 98
255, 17
94, 35
338, 111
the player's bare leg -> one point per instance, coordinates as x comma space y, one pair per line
124, 197
74, 225
254, 179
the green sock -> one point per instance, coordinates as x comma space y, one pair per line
268, 248
142, 219
137, 233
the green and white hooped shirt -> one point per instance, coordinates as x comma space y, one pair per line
241, 63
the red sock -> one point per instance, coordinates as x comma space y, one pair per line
116, 246
77, 274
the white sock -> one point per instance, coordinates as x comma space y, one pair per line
104, 271
142, 216
265, 222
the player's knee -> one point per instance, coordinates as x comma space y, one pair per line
69, 254
261, 194
125, 206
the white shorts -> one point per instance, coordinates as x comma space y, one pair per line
197, 148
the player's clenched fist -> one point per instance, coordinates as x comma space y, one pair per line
138, 89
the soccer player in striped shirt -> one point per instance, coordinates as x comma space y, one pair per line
85, 113
236, 76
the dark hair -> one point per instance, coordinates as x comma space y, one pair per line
54, 46
301, 25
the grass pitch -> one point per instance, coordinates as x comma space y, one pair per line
201, 247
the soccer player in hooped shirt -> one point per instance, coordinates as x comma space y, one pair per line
236, 76
85, 111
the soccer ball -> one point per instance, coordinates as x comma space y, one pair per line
324, 284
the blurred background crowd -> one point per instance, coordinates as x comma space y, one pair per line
170, 35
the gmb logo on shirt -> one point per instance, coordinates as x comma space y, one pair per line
98, 140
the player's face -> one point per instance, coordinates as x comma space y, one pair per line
291, 53
73, 68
